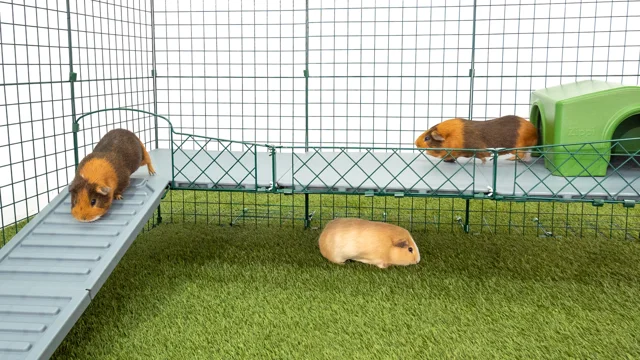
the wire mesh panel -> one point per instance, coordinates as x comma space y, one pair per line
111, 47
60, 59
299, 75
381, 72
232, 69
33, 107
522, 46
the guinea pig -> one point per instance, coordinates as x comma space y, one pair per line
370, 242
504, 132
104, 174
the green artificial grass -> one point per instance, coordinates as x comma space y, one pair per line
208, 292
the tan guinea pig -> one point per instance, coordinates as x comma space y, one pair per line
503, 132
370, 242
104, 174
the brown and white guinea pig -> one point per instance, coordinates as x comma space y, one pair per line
104, 174
504, 132
370, 242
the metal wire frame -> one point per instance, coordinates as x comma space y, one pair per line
409, 65
61, 59
377, 171
458, 56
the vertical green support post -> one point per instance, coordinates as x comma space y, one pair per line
307, 219
159, 219
274, 166
495, 174
472, 71
72, 81
154, 74
466, 216
472, 74
255, 165
155, 91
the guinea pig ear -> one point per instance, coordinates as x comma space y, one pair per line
436, 136
401, 243
103, 190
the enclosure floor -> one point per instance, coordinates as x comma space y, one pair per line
392, 172
204, 291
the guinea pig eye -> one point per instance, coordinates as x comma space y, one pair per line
427, 138
410, 249
93, 202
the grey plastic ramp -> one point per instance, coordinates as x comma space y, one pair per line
389, 171
33, 321
55, 265
227, 169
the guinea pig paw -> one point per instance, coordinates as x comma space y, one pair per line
118, 197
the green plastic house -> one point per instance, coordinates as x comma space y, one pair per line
586, 112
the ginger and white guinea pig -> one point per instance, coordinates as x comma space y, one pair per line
503, 132
376, 243
104, 174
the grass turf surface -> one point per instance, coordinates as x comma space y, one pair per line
202, 291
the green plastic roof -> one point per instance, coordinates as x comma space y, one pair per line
572, 90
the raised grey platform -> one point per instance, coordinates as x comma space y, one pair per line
534, 180
409, 173
55, 265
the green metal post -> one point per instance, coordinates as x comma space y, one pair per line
472, 71
154, 73
159, 214
307, 219
272, 152
466, 216
72, 81
495, 174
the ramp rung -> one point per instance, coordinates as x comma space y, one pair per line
66, 243
40, 256
22, 327
8, 269
124, 201
28, 310
15, 346
112, 211
71, 221
75, 231
137, 183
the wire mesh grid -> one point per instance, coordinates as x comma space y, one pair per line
232, 69
61, 59
314, 73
